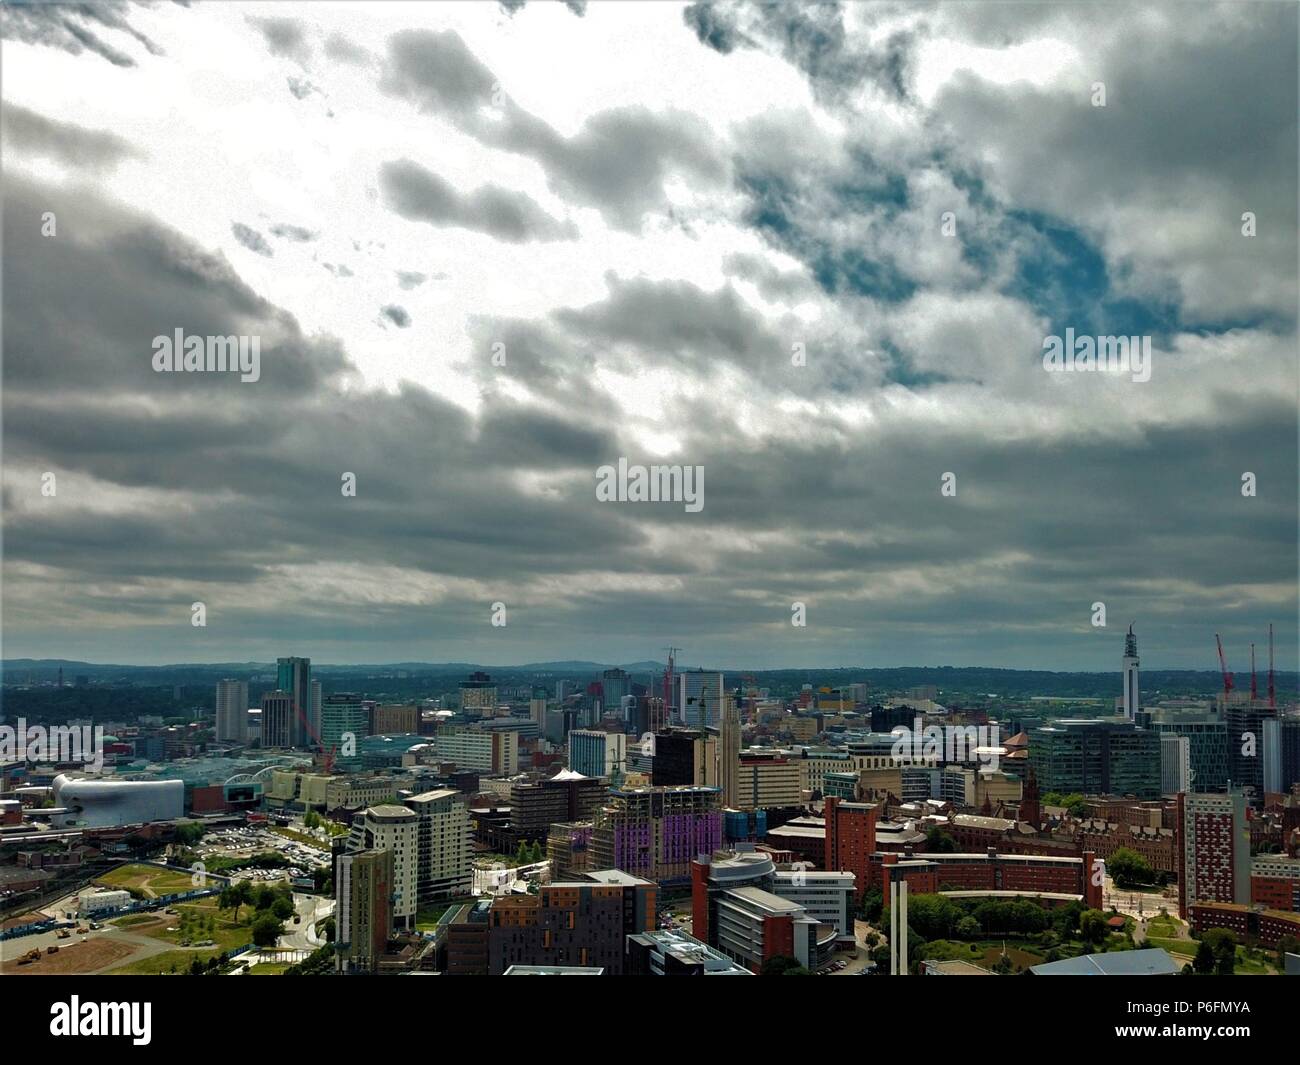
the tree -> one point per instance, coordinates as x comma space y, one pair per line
1223, 947
779, 964
1129, 868
266, 930
938, 841
1203, 963
282, 908
1092, 927
873, 903
242, 894
968, 928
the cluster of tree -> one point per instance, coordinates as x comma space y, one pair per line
528, 854
1073, 802
189, 833
1216, 954
195, 925
1130, 869
318, 962
937, 841
940, 917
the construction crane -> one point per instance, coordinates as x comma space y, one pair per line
1254, 690
1272, 696
1223, 668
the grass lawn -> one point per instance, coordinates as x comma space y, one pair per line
162, 963
1184, 947
426, 920
226, 933
135, 918
152, 881
1166, 927
269, 968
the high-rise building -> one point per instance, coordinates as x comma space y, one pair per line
1132, 689
1096, 757
1207, 746
395, 719
614, 684
232, 711
566, 849
684, 756
1245, 720
344, 720
537, 707
443, 835
395, 829
597, 754
478, 695
277, 719
851, 839
656, 832
363, 894
764, 780
491, 751
729, 757
1175, 763
1215, 840
317, 698
293, 675
699, 697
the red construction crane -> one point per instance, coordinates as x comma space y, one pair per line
1254, 691
1272, 697
1223, 667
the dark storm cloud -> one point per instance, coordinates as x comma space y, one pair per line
420, 195
617, 162
251, 239
74, 28
33, 134
812, 37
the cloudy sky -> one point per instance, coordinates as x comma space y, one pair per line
645, 211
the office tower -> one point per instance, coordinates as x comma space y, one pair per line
656, 832
362, 892
277, 719
344, 720
729, 757
614, 684
699, 697
232, 711
492, 751
1131, 688
597, 754
562, 688
397, 830
851, 839
537, 708
443, 837
656, 715
1175, 764
1245, 720
1215, 840
764, 779
293, 675
316, 701
684, 756
1207, 742
395, 719
1096, 757
1280, 751
478, 695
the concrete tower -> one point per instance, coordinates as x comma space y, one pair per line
1131, 688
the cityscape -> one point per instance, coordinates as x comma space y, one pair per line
667, 488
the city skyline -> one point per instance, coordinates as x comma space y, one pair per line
815, 259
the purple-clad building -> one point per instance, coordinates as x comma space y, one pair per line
657, 832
